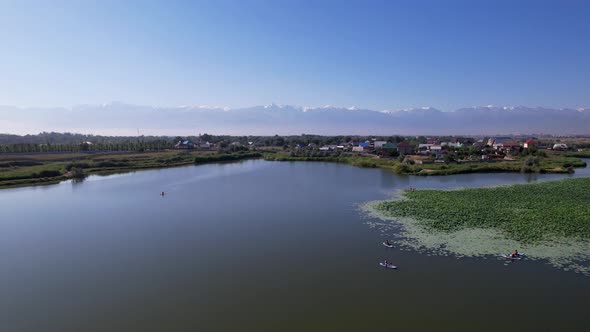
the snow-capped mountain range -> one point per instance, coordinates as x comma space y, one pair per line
126, 119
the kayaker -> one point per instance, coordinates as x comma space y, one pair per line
385, 262
514, 254
387, 243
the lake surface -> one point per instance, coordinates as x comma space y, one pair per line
255, 246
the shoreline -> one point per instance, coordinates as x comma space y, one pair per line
114, 164
129, 162
553, 165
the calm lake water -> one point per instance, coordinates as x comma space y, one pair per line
255, 246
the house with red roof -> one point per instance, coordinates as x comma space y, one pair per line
510, 146
405, 148
530, 143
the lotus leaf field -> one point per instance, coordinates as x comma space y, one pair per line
527, 213
547, 220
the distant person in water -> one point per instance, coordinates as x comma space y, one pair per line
163, 193
387, 243
514, 253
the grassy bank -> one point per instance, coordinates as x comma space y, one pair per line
38, 169
552, 163
547, 220
579, 154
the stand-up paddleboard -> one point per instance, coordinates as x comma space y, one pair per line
518, 257
388, 266
388, 245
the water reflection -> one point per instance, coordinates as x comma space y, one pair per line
247, 246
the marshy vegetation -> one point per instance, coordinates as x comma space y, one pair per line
527, 212
547, 220
33, 169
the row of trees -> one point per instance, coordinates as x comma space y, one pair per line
72, 139
138, 146
69, 142
304, 139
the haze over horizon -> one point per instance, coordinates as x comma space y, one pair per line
122, 119
376, 55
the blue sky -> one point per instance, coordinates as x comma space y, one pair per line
371, 54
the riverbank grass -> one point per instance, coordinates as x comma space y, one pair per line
38, 169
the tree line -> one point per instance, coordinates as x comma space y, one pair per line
137, 146
71, 142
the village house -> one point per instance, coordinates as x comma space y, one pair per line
184, 145
365, 145
389, 146
432, 141
388, 149
404, 148
487, 157
205, 145
560, 146
530, 143
379, 144
510, 146
497, 142
455, 144
436, 148
479, 144
330, 147
351, 144
424, 147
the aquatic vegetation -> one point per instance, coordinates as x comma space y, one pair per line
548, 220
527, 212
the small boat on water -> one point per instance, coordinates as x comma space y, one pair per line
514, 258
387, 265
387, 244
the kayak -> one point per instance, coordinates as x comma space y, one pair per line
388, 266
518, 257
388, 245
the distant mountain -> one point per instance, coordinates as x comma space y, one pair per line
126, 119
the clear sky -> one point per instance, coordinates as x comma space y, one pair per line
371, 54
